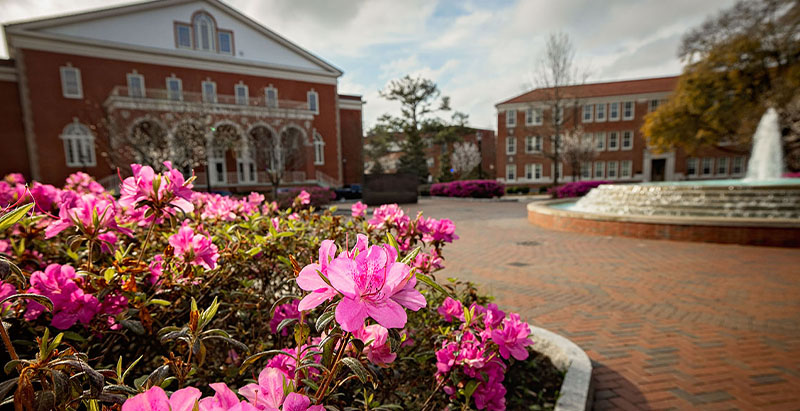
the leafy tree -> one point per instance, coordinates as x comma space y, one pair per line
418, 98
737, 64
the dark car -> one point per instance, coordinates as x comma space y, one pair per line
348, 192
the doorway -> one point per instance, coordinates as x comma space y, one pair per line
658, 169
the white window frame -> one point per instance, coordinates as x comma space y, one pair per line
533, 116
65, 88
170, 96
741, 166
221, 33
511, 172
319, 149
511, 118
533, 144
710, 162
625, 115
78, 140
246, 170
559, 170
625, 169
612, 168
613, 136
722, 166
241, 100
511, 145
206, 98
529, 171
216, 156
653, 105
586, 170
601, 167
600, 141
613, 108
212, 32
597, 110
588, 117
130, 77
313, 96
692, 167
629, 134
271, 103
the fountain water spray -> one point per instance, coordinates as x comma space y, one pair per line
766, 158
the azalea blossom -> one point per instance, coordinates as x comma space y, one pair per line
451, 308
282, 312
358, 209
309, 278
195, 249
512, 338
378, 348
70, 303
304, 197
160, 191
6, 290
155, 399
388, 215
93, 216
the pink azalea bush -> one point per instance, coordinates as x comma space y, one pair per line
469, 188
577, 188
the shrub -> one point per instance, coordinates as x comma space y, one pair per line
518, 190
577, 188
424, 189
469, 188
320, 196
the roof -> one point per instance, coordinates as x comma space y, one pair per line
606, 89
350, 97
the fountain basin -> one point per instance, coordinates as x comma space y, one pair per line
560, 215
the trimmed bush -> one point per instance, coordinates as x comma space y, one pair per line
320, 196
469, 188
518, 190
577, 189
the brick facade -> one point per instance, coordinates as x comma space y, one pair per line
15, 154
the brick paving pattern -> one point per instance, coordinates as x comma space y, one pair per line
668, 325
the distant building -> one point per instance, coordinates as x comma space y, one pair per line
610, 115
98, 90
483, 138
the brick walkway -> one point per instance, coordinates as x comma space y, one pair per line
668, 325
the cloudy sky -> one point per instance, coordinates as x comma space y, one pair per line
478, 52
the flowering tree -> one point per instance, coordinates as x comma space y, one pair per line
578, 149
465, 157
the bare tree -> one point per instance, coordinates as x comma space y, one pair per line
276, 154
465, 157
556, 79
577, 149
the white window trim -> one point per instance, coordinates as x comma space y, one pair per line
529, 171
511, 167
599, 165
78, 140
630, 169
622, 139
212, 169
243, 171
512, 149
203, 89
130, 76
591, 113
608, 144
727, 166
617, 105
633, 110
533, 116
600, 137
78, 81
534, 140
316, 100
266, 96
177, 36
246, 93
696, 162
615, 167
511, 118
230, 42
212, 34
585, 166
180, 88
743, 166
597, 118
710, 167
319, 144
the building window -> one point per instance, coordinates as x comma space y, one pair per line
691, 167
247, 170
204, 32
216, 164
511, 145
135, 84
722, 166
209, 92
588, 113
511, 172
78, 145
600, 112
225, 41
242, 94
271, 96
533, 144
557, 171
559, 117
313, 101
627, 140
511, 118
586, 169
613, 141
613, 111
529, 171
737, 166
708, 165
627, 111
319, 149
600, 141
537, 171
533, 116
71, 86
174, 88
183, 36
654, 105
626, 167
599, 169
612, 170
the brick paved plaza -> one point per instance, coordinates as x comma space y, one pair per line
668, 325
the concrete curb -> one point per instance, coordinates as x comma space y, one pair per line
576, 390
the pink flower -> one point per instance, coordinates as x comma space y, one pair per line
304, 197
441, 230
155, 399
358, 209
451, 308
162, 192
156, 269
378, 348
83, 184
373, 285
223, 399
70, 303
6, 290
44, 195
388, 215
309, 278
490, 395
446, 357
299, 402
269, 393
282, 312
15, 178
93, 216
513, 338
195, 249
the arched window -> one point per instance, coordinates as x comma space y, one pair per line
319, 149
78, 145
204, 32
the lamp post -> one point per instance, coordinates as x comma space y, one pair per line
480, 152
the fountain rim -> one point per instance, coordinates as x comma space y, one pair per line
544, 207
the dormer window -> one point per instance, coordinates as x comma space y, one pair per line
183, 36
225, 41
201, 33
204, 32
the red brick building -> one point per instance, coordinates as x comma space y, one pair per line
608, 116
167, 80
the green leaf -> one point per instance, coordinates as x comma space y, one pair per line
357, 368
35, 297
157, 301
130, 367
12, 217
470, 389
279, 301
108, 274
255, 357
324, 320
433, 284
391, 240
411, 256
301, 332
285, 323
